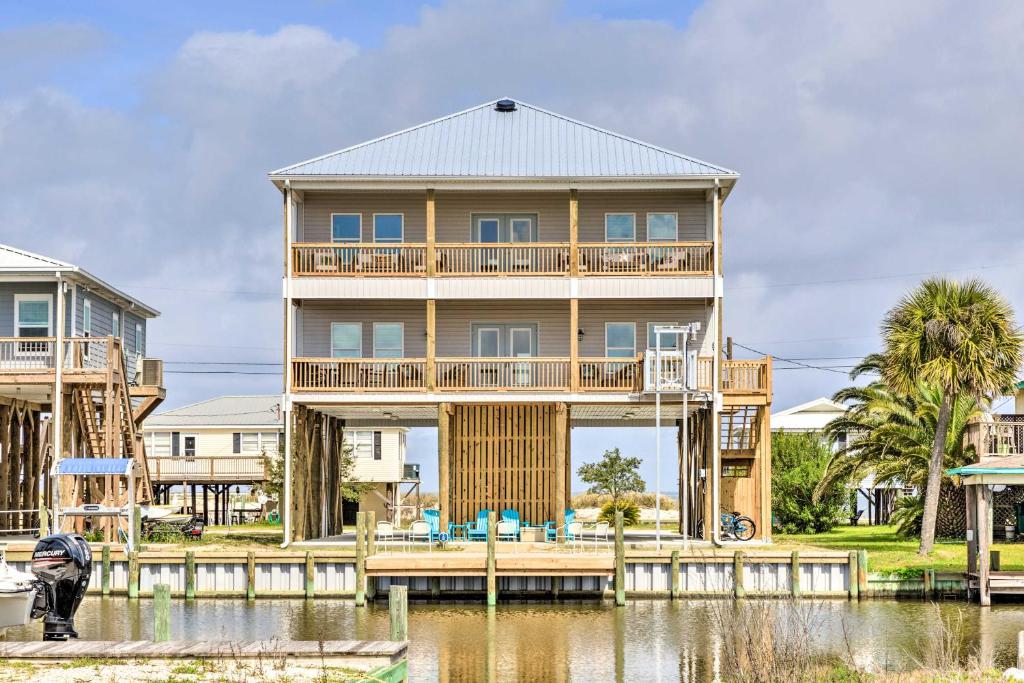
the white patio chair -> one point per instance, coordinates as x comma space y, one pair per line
385, 533
574, 534
419, 531
506, 531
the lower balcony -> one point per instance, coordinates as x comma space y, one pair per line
206, 469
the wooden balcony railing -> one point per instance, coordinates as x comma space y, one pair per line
646, 258
514, 258
502, 374
745, 376
358, 374
323, 260
610, 374
705, 373
26, 354
531, 258
226, 468
90, 353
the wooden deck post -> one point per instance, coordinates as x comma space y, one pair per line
443, 463
431, 368
371, 550
133, 574
136, 530
984, 497
431, 234
398, 612
310, 575
794, 574
620, 562
673, 588
190, 575
574, 344
360, 559
862, 572
739, 588
106, 570
993, 560
492, 540
852, 572
161, 612
561, 486
574, 235
250, 575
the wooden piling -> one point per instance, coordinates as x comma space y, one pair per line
926, 584
161, 612
250, 575
360, 559
673, 576
852, 578
398, 612
371, 550
136, 530
492, 540
106, 570
435, 587
993, 561
556, 586
794, 573
738, 588
862, 572
620, 561
133, 574
310, 575
1020, 649
190, 575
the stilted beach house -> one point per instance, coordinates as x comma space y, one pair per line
499, 274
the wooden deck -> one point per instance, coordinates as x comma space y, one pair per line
207, 470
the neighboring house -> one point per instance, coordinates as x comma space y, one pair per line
74, 346
874, 501
379, 459
214, 446
498, 274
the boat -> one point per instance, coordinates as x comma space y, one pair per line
17, 594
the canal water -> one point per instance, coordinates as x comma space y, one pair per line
645, 640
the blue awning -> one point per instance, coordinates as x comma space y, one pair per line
95, 466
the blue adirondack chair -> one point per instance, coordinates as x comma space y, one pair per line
551, 531
477, 531
433, 518
513, 517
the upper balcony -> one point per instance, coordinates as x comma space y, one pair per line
29, 360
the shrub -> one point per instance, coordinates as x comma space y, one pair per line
630, 512
798, 465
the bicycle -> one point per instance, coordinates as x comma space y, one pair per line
737, 527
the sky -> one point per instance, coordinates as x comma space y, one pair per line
878, 143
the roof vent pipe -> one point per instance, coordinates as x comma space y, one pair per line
504, 105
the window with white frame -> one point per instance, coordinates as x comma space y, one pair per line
115, 324
388, 227
361, 443
619, 227
86, 318
250, 442
662, 227
669, 342
346, 340
620, 340
140, 339
388, 340
32, 315
346, 227
158, 444
268, 442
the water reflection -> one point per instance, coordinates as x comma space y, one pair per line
645, 640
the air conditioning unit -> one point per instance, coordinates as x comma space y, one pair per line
152, 372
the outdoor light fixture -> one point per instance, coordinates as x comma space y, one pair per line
579, 334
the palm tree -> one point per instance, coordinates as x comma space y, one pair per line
959, 338
891, 435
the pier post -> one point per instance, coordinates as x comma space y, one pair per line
310, 575
492, 541
993, 561
862, 572
106, 570
738, 588
360, 559
371, 550
190, 575
250, 575
136, 530
673, 587
161, 612
852, 571
794, 574
435, 587
1020, 649
398, 612
926, 584
620, 562
133, 574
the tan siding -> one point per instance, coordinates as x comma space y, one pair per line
318, 207
690, 206
594, 315
455, 320
317, 317
455, 210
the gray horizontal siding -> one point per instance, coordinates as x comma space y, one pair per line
7, 292
691, 208
455, 321
317, 316
594, 315
454, 212
318, 207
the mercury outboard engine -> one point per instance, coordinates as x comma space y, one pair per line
62, 564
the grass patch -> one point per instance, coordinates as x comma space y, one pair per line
82, 662
889, 553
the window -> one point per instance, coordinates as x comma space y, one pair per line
32, 315
346, 227
669, 342
115, 324
250, 442
388, 227
268, 442
620, 340
488, 231
140, 339
619, 227
378, 450
361, 443
87, 318
487, 342
735, 470
504, 227
504, 340
388, 340
662, 227
346, 340
189, 445
159, 444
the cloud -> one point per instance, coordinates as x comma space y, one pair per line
874, 139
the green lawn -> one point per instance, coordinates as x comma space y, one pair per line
889, 552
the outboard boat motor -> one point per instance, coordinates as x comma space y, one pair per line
62, 564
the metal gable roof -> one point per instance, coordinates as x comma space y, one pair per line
228, 411
12, 258
484, 143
